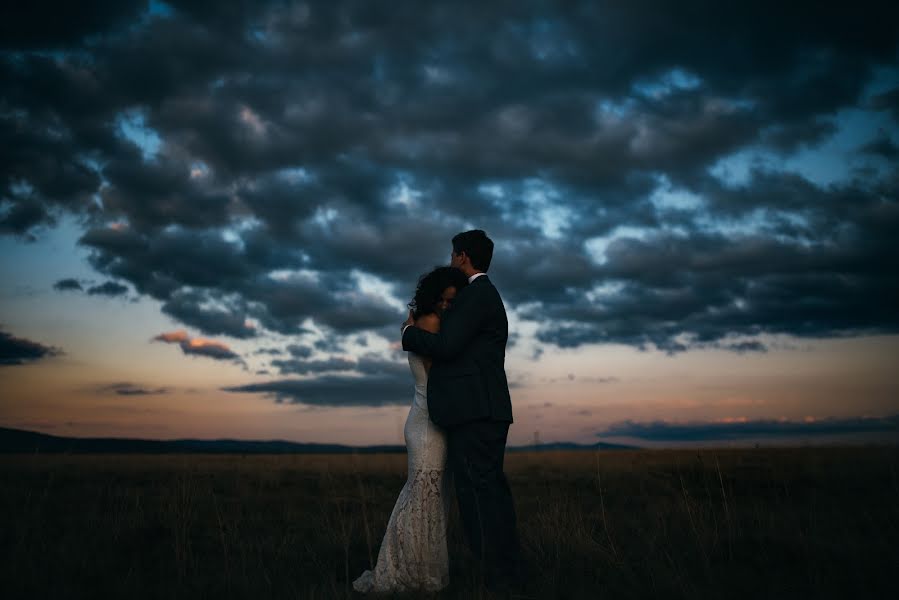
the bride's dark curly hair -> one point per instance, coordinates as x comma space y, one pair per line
430, 289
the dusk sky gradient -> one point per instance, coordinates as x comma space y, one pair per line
213, 215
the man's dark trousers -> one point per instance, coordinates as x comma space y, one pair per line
475, 457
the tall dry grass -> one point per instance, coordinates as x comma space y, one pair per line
754, 523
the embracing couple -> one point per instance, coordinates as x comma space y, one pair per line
456, 338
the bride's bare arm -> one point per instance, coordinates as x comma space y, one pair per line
429, 323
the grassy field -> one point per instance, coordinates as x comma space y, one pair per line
755, 523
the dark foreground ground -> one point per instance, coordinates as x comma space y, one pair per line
792, 523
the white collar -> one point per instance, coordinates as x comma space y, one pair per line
475, 276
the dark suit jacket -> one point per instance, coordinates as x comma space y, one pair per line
467, 381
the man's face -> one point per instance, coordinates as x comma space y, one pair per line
456, 260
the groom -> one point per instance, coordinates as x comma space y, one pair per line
468, 396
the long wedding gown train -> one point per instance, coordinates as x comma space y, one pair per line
413, 554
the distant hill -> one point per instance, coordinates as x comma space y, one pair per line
571, 446
18, 440
21, 441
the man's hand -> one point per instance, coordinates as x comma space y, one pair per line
409, 321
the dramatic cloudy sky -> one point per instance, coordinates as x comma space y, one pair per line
212, 214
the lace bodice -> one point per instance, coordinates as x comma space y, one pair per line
420, 373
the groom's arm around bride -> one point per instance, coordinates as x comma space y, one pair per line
467, 381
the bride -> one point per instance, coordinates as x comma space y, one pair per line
413, 554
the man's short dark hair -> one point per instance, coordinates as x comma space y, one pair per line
477, 246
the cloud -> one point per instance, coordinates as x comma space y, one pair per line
195, 308
335, 390
571, 377
20, 351
369, 380
882, 146
270, 351
125, 388
173, 337
591, 379
593, 143
786, 270
67, 284
199, 346
108, 288
299, 351
369, 364
304, 367
888, 100
742, 428
27, 25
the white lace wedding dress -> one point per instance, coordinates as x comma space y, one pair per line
413, 554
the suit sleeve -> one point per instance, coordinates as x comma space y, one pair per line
456, 333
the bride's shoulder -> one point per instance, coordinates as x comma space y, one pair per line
429, 322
